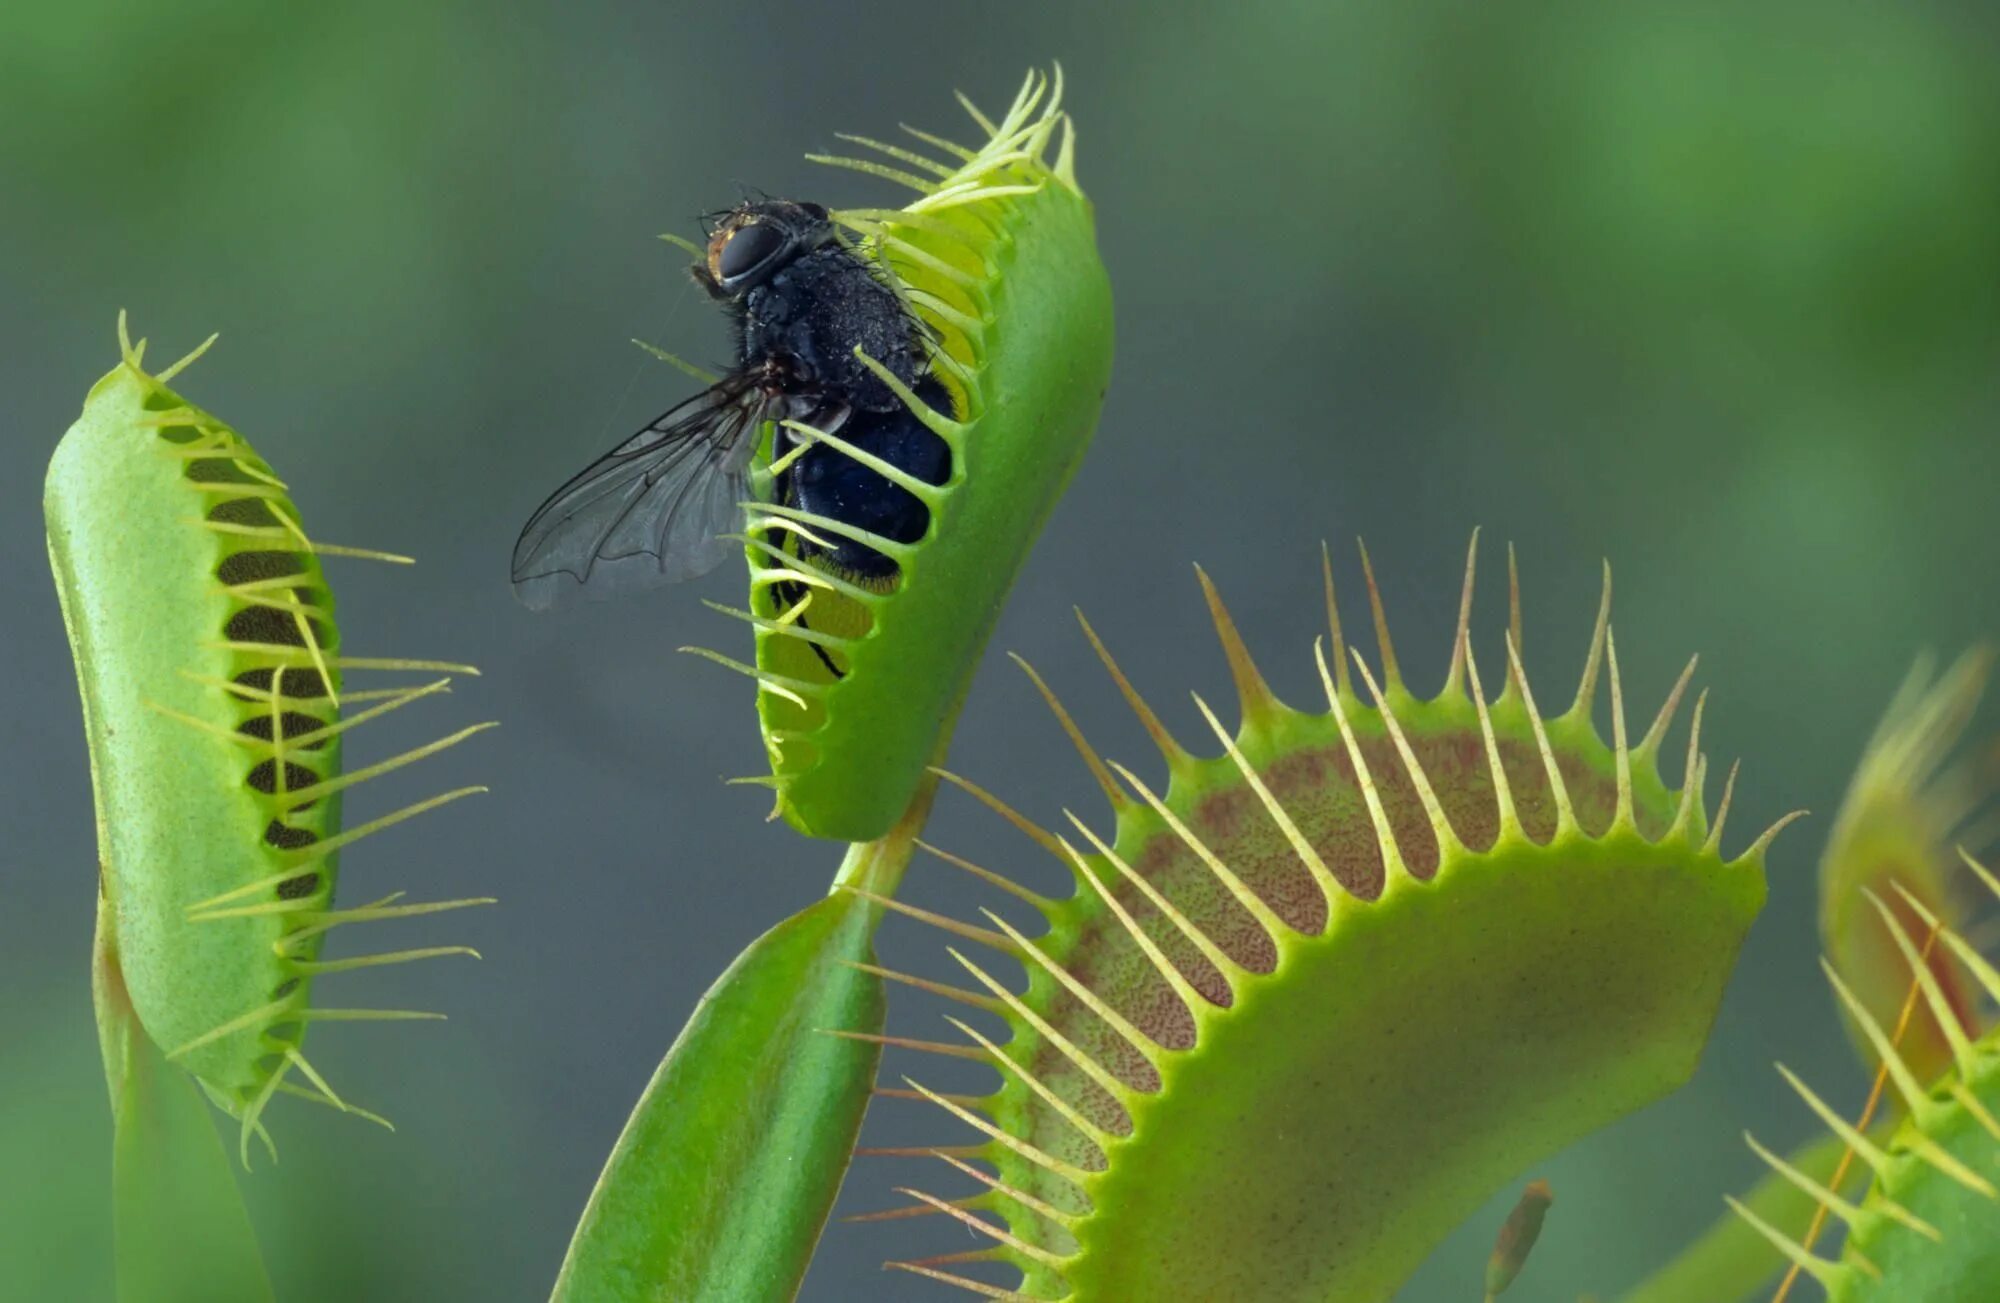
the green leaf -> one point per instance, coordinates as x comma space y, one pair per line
723, 1178
183, 1234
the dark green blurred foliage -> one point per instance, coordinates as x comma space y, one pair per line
1707, 288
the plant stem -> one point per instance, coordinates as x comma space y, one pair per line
181, 1232
878, 866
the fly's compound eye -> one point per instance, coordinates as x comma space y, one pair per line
748, 250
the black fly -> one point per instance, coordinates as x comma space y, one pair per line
650, 511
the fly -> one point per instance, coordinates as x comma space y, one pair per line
656, 508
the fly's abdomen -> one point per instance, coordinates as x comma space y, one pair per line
828, 483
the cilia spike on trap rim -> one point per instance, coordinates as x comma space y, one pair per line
216, 705
911, 391
1278, 986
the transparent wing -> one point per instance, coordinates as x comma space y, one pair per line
649, 511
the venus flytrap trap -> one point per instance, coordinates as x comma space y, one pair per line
724, 1175
213, 682
1928, 1226
1894, 906
1909, 983
1333, 985
859, 681
1909, 805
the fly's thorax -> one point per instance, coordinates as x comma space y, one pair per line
815, 315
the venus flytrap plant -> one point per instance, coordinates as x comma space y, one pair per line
212, 676
724, 1175
1891, 916
1928, 1225
1889, 873
1332, 986
997, 258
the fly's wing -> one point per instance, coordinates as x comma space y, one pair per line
649, 511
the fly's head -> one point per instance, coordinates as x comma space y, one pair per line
755, 241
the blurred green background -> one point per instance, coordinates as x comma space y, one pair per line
1711, 289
